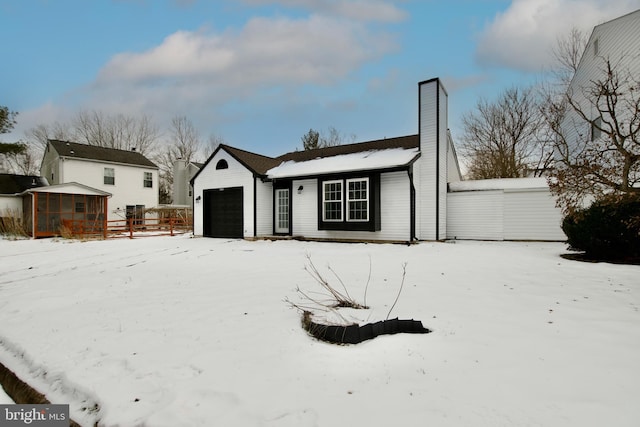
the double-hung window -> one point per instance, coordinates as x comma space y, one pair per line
349, 203
358, 199
109, 176
148, 180
332, 200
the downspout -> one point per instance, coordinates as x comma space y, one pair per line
33, 215
255, 206
438, 160
412, 206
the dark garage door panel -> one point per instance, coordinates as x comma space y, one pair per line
223, 213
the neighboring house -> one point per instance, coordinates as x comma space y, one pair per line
128, 176
183, 172
617, 41
46, 210
40, 209
393, 189
11, 187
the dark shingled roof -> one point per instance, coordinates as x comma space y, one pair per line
261, 164
406, 142
92, 152
15, 184
255, 162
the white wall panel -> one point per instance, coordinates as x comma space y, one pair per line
236, 175
531, 215
475, 215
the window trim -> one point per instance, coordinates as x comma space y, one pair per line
373, 223
112, 176
145, 180
341, 201
348, 200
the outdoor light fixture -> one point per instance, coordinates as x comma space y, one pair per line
300, 189
198, 199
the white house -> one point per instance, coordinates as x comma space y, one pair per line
393, 189
616, 41
130, 178
11, 188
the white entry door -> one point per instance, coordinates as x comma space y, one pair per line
282, 210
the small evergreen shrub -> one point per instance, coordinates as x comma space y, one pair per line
609, 229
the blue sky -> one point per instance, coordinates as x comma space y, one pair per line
260, 73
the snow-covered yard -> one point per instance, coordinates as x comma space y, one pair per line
179, 331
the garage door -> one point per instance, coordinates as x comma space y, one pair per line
223, 213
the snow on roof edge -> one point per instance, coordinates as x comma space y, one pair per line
498, 184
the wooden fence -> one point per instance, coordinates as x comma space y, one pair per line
132, 227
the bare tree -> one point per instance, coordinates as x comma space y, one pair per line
567, 53
184, 143
39, 135
597, 128
115, 131
212, 144
506, 138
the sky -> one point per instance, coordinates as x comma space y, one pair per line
260, 73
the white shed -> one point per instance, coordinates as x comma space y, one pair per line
503, 209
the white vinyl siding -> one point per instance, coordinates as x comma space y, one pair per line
531, 215
236, 175
395, 211
431, 167
514, 214
617, 41
91, 173
264, 207
475, 215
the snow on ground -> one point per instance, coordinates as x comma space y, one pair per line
4, 398
179, 331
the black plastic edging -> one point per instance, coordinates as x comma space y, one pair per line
354, 334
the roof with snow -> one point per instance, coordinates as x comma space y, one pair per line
498, 184
358, 161
384, 153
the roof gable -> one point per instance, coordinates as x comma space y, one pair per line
103, 154
264, 165
69, 188
15, 184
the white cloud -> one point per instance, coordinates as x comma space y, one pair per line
282, 51
522, 37
208, 75
358, 10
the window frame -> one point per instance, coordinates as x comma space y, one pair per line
349, 200
112, 176
147, 179
340, 201
372, 223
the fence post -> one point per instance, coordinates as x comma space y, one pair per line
130, 221
171, 225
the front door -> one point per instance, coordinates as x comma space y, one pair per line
282, 211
